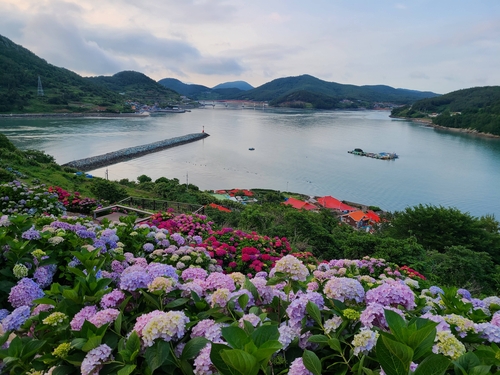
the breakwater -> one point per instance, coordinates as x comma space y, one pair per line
128, 153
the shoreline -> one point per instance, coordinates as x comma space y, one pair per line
73, 115
428, 122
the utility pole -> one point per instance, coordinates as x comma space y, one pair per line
40, 88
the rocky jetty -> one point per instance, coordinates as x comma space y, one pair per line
114, 157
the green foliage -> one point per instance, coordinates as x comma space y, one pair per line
143, 178
108, 190
409, 342
248, 350
437, 228
6, 144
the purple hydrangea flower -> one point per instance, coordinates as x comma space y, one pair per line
24, 293
134, 277
84, 233
159, 269
16, 319
84, 314
104, 317
31, 234
43, 275
95, 359
218, 280
148, 247
392, 294
194, 273
435, 290
297, 368
464, 293
344, 289
177, 237
112, 299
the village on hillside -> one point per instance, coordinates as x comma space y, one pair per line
355, 217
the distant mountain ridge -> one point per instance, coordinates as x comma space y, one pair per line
66, 91
240, 85
303, 91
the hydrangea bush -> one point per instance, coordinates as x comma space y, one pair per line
79, 297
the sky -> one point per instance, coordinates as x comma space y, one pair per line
426, 45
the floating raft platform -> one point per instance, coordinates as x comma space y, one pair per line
114, 157
380, 155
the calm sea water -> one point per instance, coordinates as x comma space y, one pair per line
301, 151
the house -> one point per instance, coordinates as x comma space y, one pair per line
357, 219
334, 204
300, 205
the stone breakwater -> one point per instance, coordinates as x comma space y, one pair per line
114, 157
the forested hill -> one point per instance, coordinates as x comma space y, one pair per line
137, 86
309, 91
476, 108
19, 72
64, 90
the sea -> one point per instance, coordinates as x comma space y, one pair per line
303, 151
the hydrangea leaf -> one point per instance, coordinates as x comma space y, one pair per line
311, 362
394, 357
434, 364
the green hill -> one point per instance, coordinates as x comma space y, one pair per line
308, 91
137, 86
477, 108
63, 90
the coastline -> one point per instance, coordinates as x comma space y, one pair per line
428, 122
73, 115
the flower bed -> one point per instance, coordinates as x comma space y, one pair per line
139, 299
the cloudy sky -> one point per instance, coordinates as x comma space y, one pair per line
427, 45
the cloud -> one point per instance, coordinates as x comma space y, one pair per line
419, 75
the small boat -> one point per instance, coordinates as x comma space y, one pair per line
251, 148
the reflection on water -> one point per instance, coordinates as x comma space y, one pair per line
303, 151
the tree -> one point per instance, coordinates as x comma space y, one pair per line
438, 228
108, 190
143, 178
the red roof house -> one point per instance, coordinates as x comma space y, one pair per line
334, 204
373, 216
300, 205
218, 207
